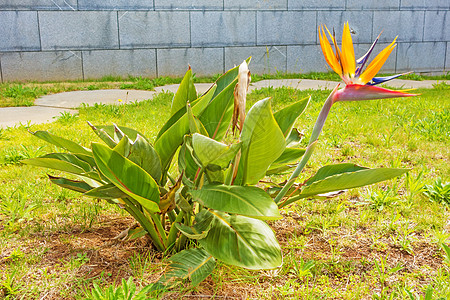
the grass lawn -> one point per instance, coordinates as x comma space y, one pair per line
24, 94
379, 242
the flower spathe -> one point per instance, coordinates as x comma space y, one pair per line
359, 81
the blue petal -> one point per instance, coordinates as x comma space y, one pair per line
378, 80
362, 61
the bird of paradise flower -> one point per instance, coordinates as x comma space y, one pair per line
360, 84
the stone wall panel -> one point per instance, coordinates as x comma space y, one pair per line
154, 29
123, 63
219, 29
421, 57
19, 31
265, 60
286, 28
41, 66
203, 61
78, 30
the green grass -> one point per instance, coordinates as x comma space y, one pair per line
23, 94
372, 243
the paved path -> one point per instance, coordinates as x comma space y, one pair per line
48, 107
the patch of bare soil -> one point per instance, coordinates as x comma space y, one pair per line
104, 254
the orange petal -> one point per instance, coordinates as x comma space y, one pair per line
336, 48
348, 54
377, 63
330, 57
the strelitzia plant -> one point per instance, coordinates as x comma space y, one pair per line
211, 204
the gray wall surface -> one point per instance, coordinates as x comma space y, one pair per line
45, 40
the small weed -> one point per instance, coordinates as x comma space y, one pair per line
3, 135
347, 151
298, 242
322, 223
412, 145
438, 191
404, 242
139, 83
302, 269
447, 254
436, 126
11, 286
440, 237
66, 118
125, 291
383, 272
380, 199
139, 264
19, 95
414, 185
377, 244
77, 261
16, 207
388, 135
441, 85
13, 156
15, 255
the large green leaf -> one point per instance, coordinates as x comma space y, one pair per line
243, 200
294, 138
351, 180
74, 185
143, 154
279, 169
107, 191
210, 152
65, 162
330, 170
172, 120
123, 147
216, 117
186, 162
195, 264
195, 125
88, 159
342, 177
130, 132
104, 136
201, 227
286, 117
186, 93
62, 142
286, 161
289, 155
127, 176
262, 142
172, 138
241, 241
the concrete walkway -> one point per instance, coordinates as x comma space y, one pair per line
48, 107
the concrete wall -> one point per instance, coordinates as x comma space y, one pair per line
80, 39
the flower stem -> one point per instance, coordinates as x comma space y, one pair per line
318, 126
